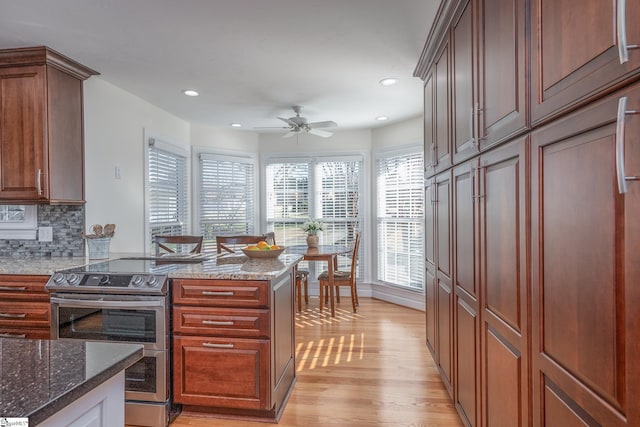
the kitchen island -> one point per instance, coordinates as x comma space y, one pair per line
234, 336
58, 382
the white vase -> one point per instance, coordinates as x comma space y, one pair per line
312, 240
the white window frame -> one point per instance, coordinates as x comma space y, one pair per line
230, 156
313, 159
385, 154
21, 230
169, 147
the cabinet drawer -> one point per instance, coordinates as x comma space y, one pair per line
26, 333
221, 321
26, 288
24, 314
221, 293
218, 372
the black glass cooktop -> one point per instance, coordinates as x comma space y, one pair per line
127, 266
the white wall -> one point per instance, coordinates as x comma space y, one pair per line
340, 142
115, 122
224, 139
397, 134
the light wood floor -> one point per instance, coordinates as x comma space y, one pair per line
366, 369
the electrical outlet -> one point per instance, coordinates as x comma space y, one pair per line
45, 234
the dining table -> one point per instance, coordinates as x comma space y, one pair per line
328, 253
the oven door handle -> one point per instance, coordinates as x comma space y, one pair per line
105, 304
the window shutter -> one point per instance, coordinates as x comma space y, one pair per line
168, 190
400, 222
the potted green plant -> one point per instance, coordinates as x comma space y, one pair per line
311, 227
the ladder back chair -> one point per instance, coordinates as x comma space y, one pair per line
178, 244
342, 278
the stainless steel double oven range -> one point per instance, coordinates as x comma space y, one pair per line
123, 300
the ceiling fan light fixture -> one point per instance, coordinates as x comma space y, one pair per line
190, 92
388, 81
382, 118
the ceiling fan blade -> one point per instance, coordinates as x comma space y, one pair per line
322, 133
327, 124
287, 121
288, 134
271, 127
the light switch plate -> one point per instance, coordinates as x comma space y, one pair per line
45, 234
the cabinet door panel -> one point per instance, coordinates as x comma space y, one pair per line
467, 355
429, 126
502, 70
22, 164
561, 411
429, 212
504, 313
583, 274
463, 84
575, 52
445, 330
232, 375
465, 227
502, 226
442, 111
431, 314
502, 382
443, 224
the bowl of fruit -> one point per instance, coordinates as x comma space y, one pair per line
263, 250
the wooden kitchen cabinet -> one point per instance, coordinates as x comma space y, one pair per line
466, 291
585, 243
41, 127
233, 346
443, 281
24, 307
574, 53
503, 201
430, 268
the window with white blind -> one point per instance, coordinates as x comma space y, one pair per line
226, 188
324, 188
400, 218
167, 188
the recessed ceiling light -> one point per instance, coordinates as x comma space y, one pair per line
382, 118
236, 125
389, 81
190, 92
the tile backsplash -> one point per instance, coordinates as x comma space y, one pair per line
68, 225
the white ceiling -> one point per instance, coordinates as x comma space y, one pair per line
251, 60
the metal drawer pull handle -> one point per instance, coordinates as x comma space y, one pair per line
39, 178
217, 323
620, 128
11, 288
213, 345
13, 335
218, 293
13, 316
621, 24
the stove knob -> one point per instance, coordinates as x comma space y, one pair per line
152, 281
73, 279
104, 279
137, 280
58, 278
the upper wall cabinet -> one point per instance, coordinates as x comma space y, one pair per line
41, 127
580, 52
483, 52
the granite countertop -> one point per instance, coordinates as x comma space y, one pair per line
225, 266
41, 377
237, 267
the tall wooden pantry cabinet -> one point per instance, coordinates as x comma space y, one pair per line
532, 230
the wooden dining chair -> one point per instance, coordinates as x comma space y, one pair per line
179, 244
231, 243
342, 278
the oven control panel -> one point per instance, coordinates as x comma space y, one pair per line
108, 283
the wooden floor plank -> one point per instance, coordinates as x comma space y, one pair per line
366, 369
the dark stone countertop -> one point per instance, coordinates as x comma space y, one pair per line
38, 378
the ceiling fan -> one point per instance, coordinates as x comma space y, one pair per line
299, 124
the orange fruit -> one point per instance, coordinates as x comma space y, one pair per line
273, 247
262, 244
252, 248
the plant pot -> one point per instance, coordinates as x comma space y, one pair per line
312, 240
